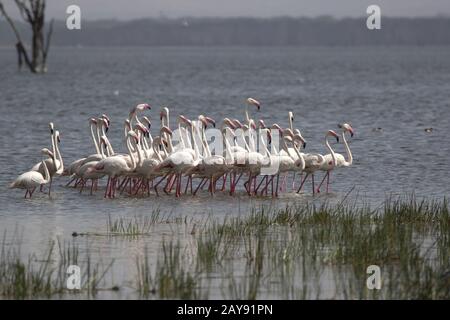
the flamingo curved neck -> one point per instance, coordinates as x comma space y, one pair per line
130, 151
60, 169
155, 144
333, 156
196, 151
46, 173
94, 139
205, 143
347, 149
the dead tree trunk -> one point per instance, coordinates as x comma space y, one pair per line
33, 12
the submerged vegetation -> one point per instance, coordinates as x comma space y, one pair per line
303, 251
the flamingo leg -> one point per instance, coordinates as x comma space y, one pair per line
199, 185
82, 186
224, 181
312, 177
157, 184
323, 180
50, 186
92, 186
328, 182
26, 193
260, 183
236, 182
293, 181
72, 180
276, 189
107, 186
302, 183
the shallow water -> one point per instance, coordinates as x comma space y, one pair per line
402, 90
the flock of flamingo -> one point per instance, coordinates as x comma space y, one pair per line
152, 161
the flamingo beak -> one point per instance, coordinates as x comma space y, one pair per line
352, 133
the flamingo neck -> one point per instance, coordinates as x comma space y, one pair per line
347, 149
155, 145
46, 173
94, 138
130, 151
300, 157
333, 156
205, 143
196, 151
60, 169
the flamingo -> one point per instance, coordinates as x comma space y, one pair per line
180, 161
328, 165
115, 166
315, 162
32, 179
54, 163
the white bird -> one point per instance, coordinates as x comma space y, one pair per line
32, 179
116, 166
338, 160
315, 162
54, 163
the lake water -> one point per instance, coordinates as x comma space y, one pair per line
401, 90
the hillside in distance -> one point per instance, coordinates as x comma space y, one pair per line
326, 31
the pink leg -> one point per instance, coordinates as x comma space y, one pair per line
107, 187
324, 177
302, 183
328, 182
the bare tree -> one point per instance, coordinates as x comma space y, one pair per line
33, 12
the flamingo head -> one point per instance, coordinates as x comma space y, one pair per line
132, 134
229, 123
147, 121
140, 127
269, 135
254, 102
164, 112
52, 127
210, 120
186, 121
288, 132
166, 130
261, 124
275, 126
252, 124
127, 125
47, 152
58, 139
142, 107
331, 133
299, 139
103, 122
291, 116
347, 128
237, 124
104, 116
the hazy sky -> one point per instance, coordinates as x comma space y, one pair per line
130, 9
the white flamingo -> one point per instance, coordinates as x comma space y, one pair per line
316, 161
54, 163
340, 161
32, 179
116, 166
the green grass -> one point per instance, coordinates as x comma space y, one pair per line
301, 251
44, 276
